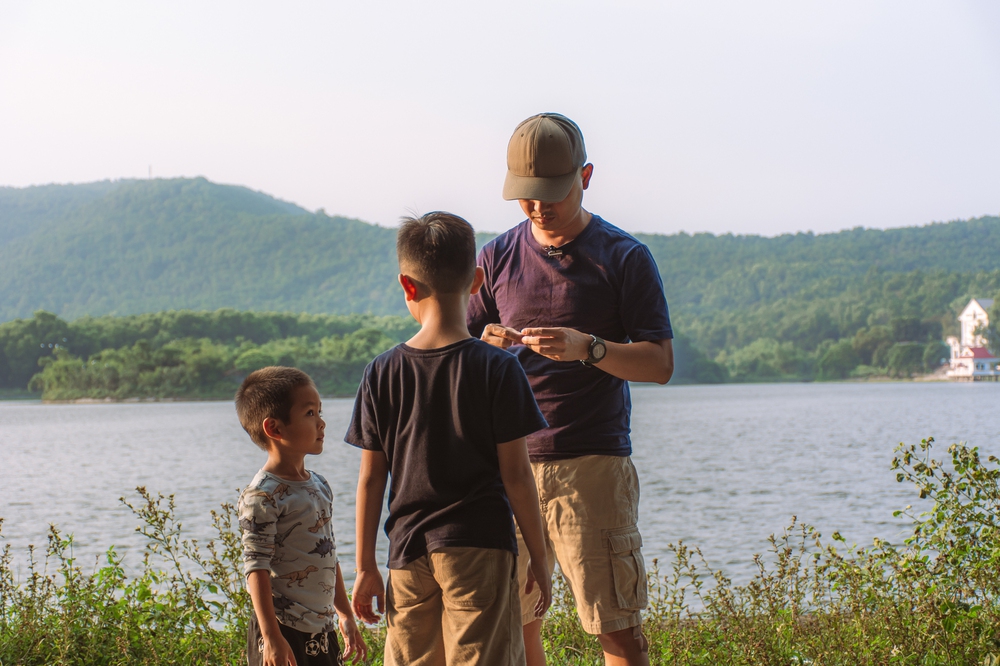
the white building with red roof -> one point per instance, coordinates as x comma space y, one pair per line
971, 360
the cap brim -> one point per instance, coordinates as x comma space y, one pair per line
549, 190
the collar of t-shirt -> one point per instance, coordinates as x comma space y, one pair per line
551, 250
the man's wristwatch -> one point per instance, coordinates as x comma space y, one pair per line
596, 351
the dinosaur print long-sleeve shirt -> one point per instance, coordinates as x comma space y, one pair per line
287, 531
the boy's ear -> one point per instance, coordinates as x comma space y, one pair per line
272, 428
477, 281
409, 287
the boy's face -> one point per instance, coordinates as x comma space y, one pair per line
304, 431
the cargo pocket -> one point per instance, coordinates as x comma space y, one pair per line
405, 588
625, 545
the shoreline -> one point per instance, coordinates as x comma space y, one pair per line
925, 379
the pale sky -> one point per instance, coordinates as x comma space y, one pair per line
745, 117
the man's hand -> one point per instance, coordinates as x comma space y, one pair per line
559, 344
354, 645
368, 584
538, 574
500, 336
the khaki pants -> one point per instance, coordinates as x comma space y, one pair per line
590, 506
453, 607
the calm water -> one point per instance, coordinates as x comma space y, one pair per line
720, 466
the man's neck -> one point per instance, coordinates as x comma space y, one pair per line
563, 235
442, 321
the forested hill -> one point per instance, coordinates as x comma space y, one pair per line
144, 246
131, 247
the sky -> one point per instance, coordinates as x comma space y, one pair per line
763, 117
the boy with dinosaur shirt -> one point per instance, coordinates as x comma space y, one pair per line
290, 557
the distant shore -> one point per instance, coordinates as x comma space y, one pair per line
934, 378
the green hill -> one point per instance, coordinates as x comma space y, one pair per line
132, 247
144, 246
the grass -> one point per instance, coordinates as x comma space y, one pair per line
929, 601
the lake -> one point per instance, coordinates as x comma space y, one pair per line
721, 467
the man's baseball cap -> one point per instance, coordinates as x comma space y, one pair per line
544, 157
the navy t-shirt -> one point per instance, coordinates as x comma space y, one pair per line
438, 414
606, 283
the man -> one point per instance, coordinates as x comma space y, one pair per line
581, 304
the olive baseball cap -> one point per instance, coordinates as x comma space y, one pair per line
544, 157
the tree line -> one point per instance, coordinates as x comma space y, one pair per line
187, 354
204, 355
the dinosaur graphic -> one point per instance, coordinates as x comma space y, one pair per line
323, 547
275, 561
327, 613
326, 587
281, 491
279, 538
299, 576
322, 519
268, 498
282, 603
252, 526
286, 618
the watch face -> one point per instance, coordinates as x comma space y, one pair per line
598, 350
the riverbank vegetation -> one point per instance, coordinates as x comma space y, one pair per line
187, 355
857, 303
204, 355
929, 600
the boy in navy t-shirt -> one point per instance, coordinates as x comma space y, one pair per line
445, 415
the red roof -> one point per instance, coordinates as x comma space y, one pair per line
980, 352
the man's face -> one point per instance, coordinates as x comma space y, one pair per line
560, 215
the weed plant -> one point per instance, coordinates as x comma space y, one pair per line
930, 600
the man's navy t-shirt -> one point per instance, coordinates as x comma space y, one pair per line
438, 414
606, 283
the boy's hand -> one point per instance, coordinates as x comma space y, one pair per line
538, 574
354, 645
500, 336
368, 584
277, 652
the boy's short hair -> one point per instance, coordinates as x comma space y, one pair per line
267, 394
439, 250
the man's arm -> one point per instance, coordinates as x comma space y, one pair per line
277, 652
519, 484
371, 489
650, 361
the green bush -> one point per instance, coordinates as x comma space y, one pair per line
930, 600
838, 361
198, 369
254, 339
905, 358
186, 605
692, 366
766, 359
936, 354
